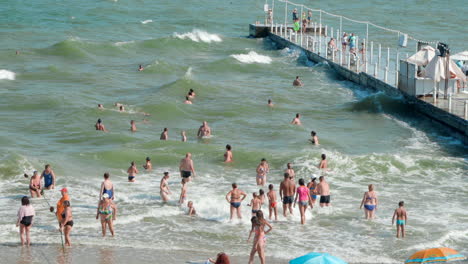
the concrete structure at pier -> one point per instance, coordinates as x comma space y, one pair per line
440, 110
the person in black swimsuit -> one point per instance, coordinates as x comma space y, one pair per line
25, 220
67, 222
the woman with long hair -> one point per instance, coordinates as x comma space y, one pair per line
258, 228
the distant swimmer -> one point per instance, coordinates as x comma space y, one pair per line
187, 101
370, 202
148, 166
186, 167
191, 209
323, 189
191, 93
204, 130
100, 126
262, 169
140, 68
164, 190
67, 222
270, 103
108, 212
303, 194
314, 138
287, 191
100, 106
255, 203
121, 108
184, 137
17, 52
297, 82
228, 154
312, 185
272, 203
61, 205
401, 219
118, 104
132, 172
296, 120
49, 177
235, 198
323, 165
107, 187
25, 221
183, 192
133, 126
164, 134
35, 187
289, 170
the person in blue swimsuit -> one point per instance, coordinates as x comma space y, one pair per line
49, 177
369, 201
312, 185
235, 198
401, 219
107, 187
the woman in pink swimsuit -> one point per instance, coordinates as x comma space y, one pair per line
304, 198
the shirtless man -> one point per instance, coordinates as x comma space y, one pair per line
323, 189
289, 170
323, 165
204, 130
272, 202
133, 126
164, 190
228, 154
270, 103
100, 126
186, 167
132, 172
255, 203
332, 46
35, 185
297, 120
297, 82
234, 199
164, 134
287, 191
187, 101
148, 166
401, 219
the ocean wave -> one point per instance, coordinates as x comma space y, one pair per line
7, 75
252, 57
147, 21
199, 35
122, 43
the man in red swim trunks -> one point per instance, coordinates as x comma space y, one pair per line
272, 199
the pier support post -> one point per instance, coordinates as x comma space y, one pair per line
326, 51
371, 52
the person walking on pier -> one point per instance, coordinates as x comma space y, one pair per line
294, 15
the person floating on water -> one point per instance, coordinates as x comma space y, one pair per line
297, 120
289, 170
35, 185
297, 82
108, 212
164, 190
262, 169
323, 165
148, 166
272, 202
49, 177
107, 187
314, 138
228, 154
140, 68
100, 126
25, 221
191, 209
401, 219
270, 103
184, 137
186, 167
66, 224
164, 134
204, 130
133, 126
370, 202
132, 172
187, 101
234, 198
287, 191
323, 189
61, 206
303, 193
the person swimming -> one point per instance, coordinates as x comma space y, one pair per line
140, 68
100, 126
314, 140
187, 101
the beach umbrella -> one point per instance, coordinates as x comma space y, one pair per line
434, 255
423, 56
317, 258
436, 69
463, 56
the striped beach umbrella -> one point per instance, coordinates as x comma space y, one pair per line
317, 258
434, 255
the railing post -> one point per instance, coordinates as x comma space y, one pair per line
397, 70
450, 103
285, 19
307, 42
320, 32
333, 54
326, 32
349, 60
466, 110
326, 51
302, 29
388, 57
371, 60
434, 93
375, 70
341, 25
341, 56
386, 74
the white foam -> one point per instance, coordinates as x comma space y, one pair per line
7, 75
252, 57
199, 35
147, 21
121, 43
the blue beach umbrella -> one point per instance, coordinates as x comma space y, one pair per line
317, 258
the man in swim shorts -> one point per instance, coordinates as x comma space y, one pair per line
287, 191
234, 198
204, 130
49, 177
186, 167
323, 189
402, 218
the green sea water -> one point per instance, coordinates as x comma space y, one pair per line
75, 55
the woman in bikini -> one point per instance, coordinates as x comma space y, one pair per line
312, 185
369, 201
35, 185
258, 228
262, 169
108, 212
67, 222
303, 194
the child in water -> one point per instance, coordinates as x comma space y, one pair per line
400, 215
272, 202
191, 209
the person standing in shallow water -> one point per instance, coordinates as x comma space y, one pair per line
100, 126
49, 177
314, 138
369, 201
148, 166
289, 170
108, 212
401, 219
303, 194
186, 167
132, 172
164, 134
234, 198
270, 103
67, 223
35, 185
323, 189
287, 191
262, 169
25, 221
297, 120
258, 228
323, 165
297, 82
204, 130
228, 154
184, 137
107, 187
133, 126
